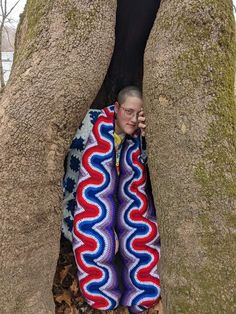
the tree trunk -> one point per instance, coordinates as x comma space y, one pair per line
191, 114
63, 52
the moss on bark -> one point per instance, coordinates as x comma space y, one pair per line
54, 80
189, 81
33, 24
217, 171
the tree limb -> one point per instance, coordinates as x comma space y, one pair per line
1, 7
7, 14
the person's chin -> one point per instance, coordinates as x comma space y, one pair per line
130, 130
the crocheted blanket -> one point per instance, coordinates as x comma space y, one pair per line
72, 167
108, 203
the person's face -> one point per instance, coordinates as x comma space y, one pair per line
127, 115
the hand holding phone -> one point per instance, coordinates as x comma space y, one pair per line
141, 122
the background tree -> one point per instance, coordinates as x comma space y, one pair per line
5, 13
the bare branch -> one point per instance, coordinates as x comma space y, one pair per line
2, 22
12, 8
11, 21
8, 37
2, 7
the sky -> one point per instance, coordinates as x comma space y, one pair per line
18, 9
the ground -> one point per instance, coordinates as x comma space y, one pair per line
66, 293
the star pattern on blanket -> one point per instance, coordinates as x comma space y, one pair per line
72, 165
78, 143
69, 185
93, 116
71, 205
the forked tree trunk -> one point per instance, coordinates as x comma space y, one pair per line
191, 114
63, 52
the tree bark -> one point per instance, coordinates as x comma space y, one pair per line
63, 50
191, 114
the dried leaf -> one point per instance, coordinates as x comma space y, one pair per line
74, 310
65, 296
64, 272
74, 287
158, 308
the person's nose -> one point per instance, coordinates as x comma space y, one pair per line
134, 118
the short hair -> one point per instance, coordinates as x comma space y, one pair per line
133, 91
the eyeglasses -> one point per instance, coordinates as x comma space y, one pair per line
130, 112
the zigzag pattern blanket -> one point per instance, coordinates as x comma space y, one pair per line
106, 202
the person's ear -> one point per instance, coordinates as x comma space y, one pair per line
116, 106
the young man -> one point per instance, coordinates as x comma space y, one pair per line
129, 112
113, 210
